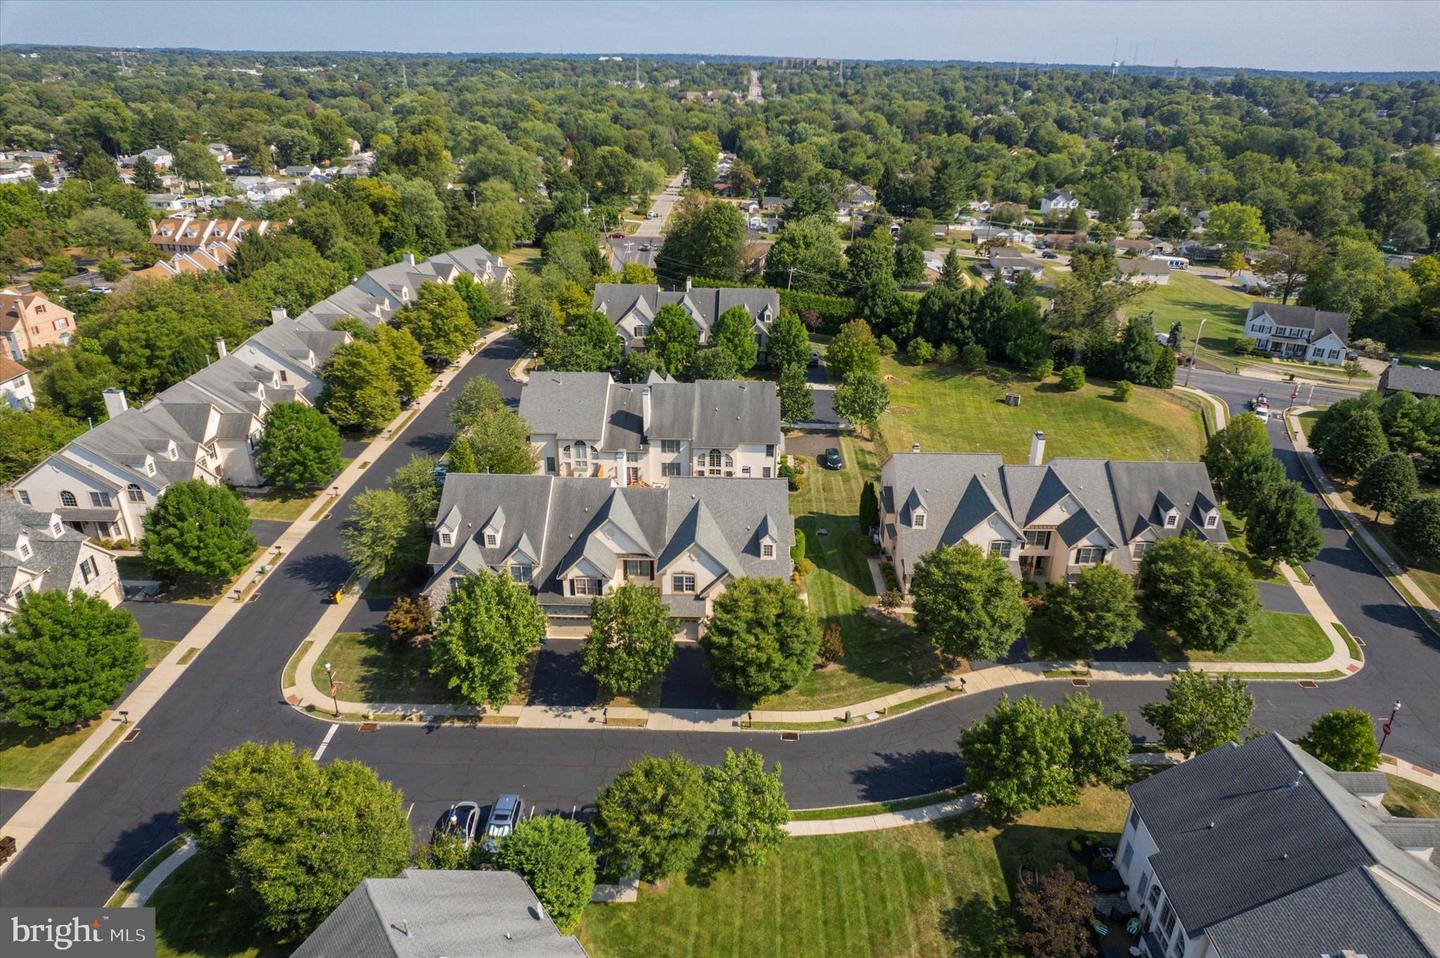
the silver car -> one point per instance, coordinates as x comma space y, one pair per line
460, 821
503, 817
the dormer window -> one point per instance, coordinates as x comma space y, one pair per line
491, 540
149, 465
446, 538
172, 451
1171, 520
55, 528
917, 519
1212, 520
767, 550
23, 547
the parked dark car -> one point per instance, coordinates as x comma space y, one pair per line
832, 459
1049, 254
503, 818
814, 359
460, 821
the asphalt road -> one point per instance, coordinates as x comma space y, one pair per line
230, 694
661, 203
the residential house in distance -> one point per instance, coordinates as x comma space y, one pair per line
159, 157
1417, 380
632, 308
1124, 245
15, 387
166, 202
103, 482
29, 321
424, 913
586, 424
1049, 521
1144, 270
38, 553
1262, 851
1058, 201
1299, 332
571, 539
1009, 263
15, 171
198, 245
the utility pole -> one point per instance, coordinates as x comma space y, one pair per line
790, 279
1191, 368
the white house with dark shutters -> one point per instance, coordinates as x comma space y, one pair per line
1301, 333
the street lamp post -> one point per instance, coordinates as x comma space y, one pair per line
1388, 725
1191, 368
334, 700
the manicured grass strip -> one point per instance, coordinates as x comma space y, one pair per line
156, 650
1259, 569
1284, 676
29, 756
873, 808
1407, 799
189, 654
95, 756
1301, 574
1066, 673
924, 890
858, 718
146, 867
1276, 637
288, 678
1350, 642
326, 505
284, 506
197, 916
371, 667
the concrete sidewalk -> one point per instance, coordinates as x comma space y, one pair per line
46, 800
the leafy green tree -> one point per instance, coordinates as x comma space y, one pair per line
1388, 484
1072, 378
478, 300
701, 152
673, 337
461, 457
631, 640
196, 165
477, 396
1097, 612
381, 537
862, 398
909, 264
704, 238
1016, 758
1202, 596
296, 284
1140, 358
1418, 527
1284, 525
852, 350
967, 603
404, 360
653, 817
1244, 437
104, 230
1251, 480
749, 811
359, 392
111, 269
1285, 263
1236, 226
734, 332
1344, 739
1099, 743
65, 658
73, 381
268, 813
952, 272
415, 482
553, 855
762, 638
499, 442
788, 343
27, 437
299, 448
797, 402
440, 321
145, 176
485, 631
410, 621
1353, 444
197, 532
806, 256
1201, 712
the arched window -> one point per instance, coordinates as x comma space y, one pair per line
716, 457
67, 498
135, 493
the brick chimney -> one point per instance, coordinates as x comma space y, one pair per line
115, 401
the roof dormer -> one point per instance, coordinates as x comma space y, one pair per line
172, 451
493, 529
914, 511
22, 546
765, 540
449, 526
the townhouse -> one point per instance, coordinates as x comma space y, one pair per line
570, 539
39, 553
15, 387
1049, 521
205, 427
29, 321
632, 308
588, 425
1262, 851
1299, 332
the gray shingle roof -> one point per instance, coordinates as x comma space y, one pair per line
705, 304
425, 914
1411, 379
1320, 321
1239, 828
560, 516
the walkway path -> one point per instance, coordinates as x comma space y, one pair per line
47, 800
157, 876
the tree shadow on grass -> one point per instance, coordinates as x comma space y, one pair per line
979, 928
902, 774
198, 912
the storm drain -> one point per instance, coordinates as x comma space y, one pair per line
369, 726
789, 736
1308, 684
1080, 683
131, 735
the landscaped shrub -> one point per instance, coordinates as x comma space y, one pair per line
1042, 370
920, 352
1124, 390
890, 599
947, 354
1244, 347
832, 646
887, 346
887, 572
833, 311
1072, 378
972, 357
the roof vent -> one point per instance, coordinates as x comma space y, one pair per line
1212, 824
1299, 777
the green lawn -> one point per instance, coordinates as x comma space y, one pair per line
1277, 637
925, 890
196, 916
880, 657
946, 410
282, 505
1190, 298
1259, 568
527, 258
156, 650
1406, 799
1425, 572
371, 668
28, 757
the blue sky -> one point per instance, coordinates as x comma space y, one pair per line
1276, 34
